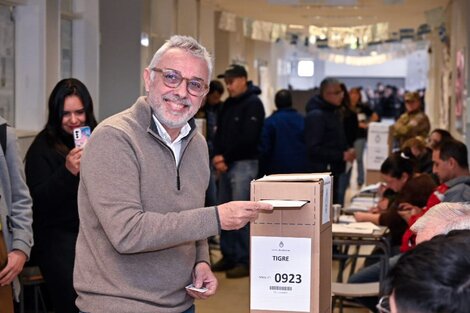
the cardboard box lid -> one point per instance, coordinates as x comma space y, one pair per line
295, 177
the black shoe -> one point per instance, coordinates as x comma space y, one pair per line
222, 265
238, 271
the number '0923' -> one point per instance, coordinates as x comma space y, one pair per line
288, 278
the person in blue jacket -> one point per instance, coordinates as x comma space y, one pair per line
282, 146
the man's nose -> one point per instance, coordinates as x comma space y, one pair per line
182, 89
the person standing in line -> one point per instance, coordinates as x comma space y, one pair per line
350, 124
53, 174
236, 161
16, 234
144, 172
327, 147
210, 111
365, 115
282, 146
414, 122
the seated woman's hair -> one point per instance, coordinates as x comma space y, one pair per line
398, 163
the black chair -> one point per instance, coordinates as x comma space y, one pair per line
345, 291
31, 277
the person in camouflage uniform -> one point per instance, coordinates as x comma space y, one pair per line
413, 122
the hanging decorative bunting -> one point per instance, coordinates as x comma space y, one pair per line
262, 31
227, 21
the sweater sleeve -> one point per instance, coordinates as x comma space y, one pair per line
21, 215
395, 223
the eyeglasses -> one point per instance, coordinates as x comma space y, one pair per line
384, 305
173, 78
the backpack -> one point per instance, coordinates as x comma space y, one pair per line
3, 137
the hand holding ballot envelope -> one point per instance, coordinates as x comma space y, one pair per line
236, 214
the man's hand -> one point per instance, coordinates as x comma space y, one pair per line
16, 260
349, 155
407, 210
236, 214
203, 277
219, 164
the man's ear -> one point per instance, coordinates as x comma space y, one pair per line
147, 80
452, 162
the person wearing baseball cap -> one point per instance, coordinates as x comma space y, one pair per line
414, 122
236, 161
233, 71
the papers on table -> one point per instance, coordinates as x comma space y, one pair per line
355, 228
347, 219
286, 203
371, 188
361, 204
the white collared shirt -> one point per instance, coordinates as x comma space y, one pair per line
175, 145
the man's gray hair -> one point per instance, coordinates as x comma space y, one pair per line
186, 43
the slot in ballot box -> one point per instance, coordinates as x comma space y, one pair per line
291, 246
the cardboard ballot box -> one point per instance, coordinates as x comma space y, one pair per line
291, 246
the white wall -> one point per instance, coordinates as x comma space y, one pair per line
30, 63
86, 42
120, 53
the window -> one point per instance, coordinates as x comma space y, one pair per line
66, 38
305, 68
7, 64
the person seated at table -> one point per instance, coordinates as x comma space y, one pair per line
423, 154
432, 278
450, 159
436, 136
398, 171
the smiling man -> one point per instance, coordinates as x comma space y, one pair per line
144, 174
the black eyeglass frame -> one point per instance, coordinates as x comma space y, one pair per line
188, 81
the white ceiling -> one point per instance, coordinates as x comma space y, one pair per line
341, 13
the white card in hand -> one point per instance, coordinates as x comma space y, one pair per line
285, 203
191, 287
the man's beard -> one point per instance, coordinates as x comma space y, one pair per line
162, 114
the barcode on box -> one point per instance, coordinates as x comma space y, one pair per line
282, 288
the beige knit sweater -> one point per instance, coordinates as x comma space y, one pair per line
142, 224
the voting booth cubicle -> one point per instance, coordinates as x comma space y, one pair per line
291, 246
379, 144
